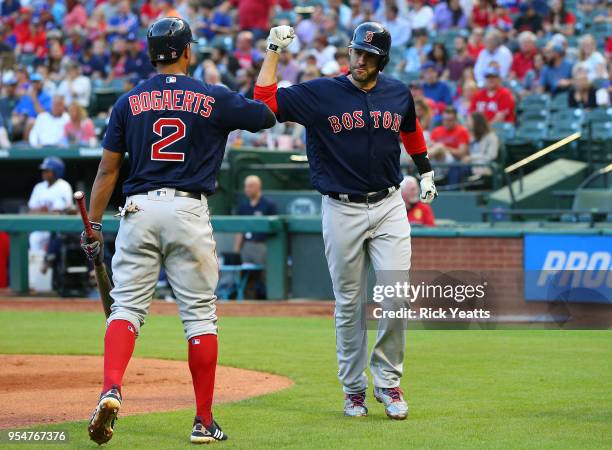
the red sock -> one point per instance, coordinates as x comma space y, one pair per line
203, 364
119, 344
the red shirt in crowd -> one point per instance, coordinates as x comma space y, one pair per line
451, 138
421, 214
522, 63
474, 50
256, 13
490, 103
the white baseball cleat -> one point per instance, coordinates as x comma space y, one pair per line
393, 399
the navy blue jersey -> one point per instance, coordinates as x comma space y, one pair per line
175, 129
264, 207
352, 136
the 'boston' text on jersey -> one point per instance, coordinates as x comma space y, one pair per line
171, 100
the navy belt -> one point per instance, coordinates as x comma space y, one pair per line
364, 198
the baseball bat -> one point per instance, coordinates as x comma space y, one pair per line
102, 279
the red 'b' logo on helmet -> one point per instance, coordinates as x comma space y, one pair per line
368, 36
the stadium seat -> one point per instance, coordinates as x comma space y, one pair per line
535, 101
601, 131
600, 115
533, 114
567, 116
531, 131
559, 101
504, 130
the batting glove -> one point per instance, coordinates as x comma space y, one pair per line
92, 248
280, 38
428, 188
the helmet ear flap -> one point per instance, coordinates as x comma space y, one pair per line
384, 60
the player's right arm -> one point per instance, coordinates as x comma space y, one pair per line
114, 145
296, 103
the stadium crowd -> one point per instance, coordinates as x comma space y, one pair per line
469, 63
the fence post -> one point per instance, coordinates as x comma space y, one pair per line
276, 261
18, 262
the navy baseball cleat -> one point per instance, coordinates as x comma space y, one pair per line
103, 418
354, 405
202, 434
393, 399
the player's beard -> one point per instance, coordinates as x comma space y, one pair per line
364, 77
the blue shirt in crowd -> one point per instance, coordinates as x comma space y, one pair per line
264, 207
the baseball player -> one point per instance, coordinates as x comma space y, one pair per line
174, 129
353, 124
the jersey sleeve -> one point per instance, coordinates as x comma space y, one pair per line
233, 111
297, 103
409, 120
114, 138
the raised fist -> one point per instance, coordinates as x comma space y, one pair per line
280, 37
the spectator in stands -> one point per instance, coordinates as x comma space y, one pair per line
48, 129
559, 19
439, 56
53, 195
591, 59
494, 101
122, 23
212, 22
137, 61
331, 69
357, 13
424, 114
416, 55
449, 144
8, 100
31, 102
75, 87
494, 53
434, 89
79, 130
557, 73
475, 43
419, 213
94, 60
529, 20
335, 35
118, 57
484, 146
254, 15
96, 25
397, 26
148, 12
4, 139
449, 15
482, 13
244, 53
522, 61
582, 94
344, 14
464, 102
421, 16
459, 61
76, 15
56, 55
167, 9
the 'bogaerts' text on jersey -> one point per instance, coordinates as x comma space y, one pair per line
175, 129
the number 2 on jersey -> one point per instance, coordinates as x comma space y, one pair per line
179, 133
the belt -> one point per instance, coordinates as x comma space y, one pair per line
177, 193
364, 198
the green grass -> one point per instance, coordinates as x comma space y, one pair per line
466, 389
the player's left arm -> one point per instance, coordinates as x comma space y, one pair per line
411, 135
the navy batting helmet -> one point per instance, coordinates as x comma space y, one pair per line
53, 164
167, 38
372, 37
